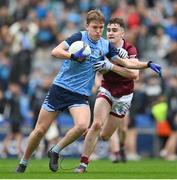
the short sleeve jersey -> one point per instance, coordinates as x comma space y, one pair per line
79, 77
116, 84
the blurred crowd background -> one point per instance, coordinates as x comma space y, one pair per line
29, 29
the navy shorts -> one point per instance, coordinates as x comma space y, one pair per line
60, 99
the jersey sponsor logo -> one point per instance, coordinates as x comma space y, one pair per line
96, 55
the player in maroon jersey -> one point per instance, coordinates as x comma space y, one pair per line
124, 85
115, 94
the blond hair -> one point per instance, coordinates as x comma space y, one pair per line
95, 15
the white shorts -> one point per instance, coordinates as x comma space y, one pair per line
120, 106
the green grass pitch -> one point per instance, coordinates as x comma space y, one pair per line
101, 169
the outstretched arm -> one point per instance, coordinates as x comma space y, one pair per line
132, 63
128, 63
125, 72
135, 64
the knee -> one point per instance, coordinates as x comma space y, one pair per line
39, 132
97, 125
83, 127
123, 129
104, 137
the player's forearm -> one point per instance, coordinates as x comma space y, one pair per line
132, 63
60, 53
127, 73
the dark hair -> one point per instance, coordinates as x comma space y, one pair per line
95, 15
116, 20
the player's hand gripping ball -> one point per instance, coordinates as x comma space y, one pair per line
80, 51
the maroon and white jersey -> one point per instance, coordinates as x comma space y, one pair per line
116, 84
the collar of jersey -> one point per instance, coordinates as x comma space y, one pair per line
92, 41
121, 46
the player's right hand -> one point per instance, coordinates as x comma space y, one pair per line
103, 65
122, 53
79, 56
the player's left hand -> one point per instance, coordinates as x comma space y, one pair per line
122, 53
103, 65
155, 67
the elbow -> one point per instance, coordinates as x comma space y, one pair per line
54, 52
134, 76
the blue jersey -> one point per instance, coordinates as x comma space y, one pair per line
79, 77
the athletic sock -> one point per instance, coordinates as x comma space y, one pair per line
24, 162
56, 149
116, 153
84, 161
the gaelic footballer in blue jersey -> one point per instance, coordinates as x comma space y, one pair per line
70, 89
